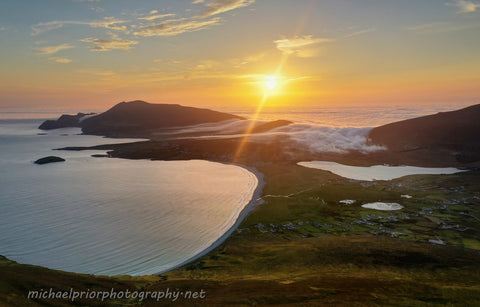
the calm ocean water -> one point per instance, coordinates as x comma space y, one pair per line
109, 216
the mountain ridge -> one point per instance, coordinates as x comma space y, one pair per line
455, 130
138, 117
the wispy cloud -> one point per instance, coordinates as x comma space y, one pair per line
301, 46
47, 50
465, 6
221, 6
441, 27
96, 72
156, 23
260, 79
114, 43
203, 69
206, 65
150, 24
110, 23
239, 62
156, 16
60, 60
360, 32
176, 26
46, 26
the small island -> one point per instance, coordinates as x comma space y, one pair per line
49, 159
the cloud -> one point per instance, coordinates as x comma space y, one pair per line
360, 32
110, 23
176, 26
60, 60
301, 46
328, 139
260, 80
315, 138
46, 26
465, 6
221, 6
156, 16
97, 9
224, 127
53, 49
198, 1
96, 72
114, 43
239, 62
206, 65
441, 27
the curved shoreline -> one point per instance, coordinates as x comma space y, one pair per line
249, 203
244, 206
252, 204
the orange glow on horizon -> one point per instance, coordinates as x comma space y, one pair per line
82, 65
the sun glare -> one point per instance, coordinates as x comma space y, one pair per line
271, 82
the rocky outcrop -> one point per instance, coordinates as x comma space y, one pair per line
63, 121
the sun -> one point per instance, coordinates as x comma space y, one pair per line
271, 82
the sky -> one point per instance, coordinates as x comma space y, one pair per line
95, 53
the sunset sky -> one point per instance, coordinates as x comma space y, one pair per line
94, 53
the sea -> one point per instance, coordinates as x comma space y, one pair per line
109, 216
115, 216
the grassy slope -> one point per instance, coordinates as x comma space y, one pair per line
302, 246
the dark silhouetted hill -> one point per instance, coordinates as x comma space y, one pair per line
455, 131
139, 117
63, 121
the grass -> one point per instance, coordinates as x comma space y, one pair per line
301, 246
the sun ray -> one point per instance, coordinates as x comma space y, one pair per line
266, 95
258, 110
